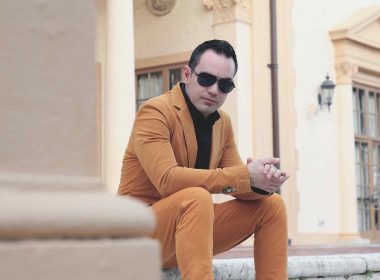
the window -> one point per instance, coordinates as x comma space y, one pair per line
366, 109
155, 81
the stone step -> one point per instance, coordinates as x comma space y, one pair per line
331, 267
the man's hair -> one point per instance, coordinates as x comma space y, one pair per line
219, 46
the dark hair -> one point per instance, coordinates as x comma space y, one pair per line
219, 46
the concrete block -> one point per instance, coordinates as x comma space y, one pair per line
326, 266
224, 269
75, 215
319, 278
335, 267
373, 262
229, 269
111, 259
171, 274
375, 276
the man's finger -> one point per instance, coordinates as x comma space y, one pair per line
283, 178
267, 168
270, 160
249, 160
277, 174
271, 172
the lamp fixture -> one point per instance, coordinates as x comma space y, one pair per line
326, 94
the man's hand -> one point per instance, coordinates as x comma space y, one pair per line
264, 174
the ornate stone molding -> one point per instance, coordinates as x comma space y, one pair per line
344, 72
160, 7
230, 10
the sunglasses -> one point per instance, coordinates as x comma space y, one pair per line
205, 79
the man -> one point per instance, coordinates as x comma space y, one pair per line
182, 150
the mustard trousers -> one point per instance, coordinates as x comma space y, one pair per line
191, 229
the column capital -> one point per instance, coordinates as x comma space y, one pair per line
344, 72
230, 10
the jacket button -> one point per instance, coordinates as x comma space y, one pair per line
228, 190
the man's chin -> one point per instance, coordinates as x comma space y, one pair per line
206, 113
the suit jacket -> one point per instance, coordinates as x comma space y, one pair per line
162, 150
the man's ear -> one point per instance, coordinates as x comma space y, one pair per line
186, 73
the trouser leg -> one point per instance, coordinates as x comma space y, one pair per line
236, 220
189, 233
185, 229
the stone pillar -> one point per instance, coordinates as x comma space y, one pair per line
50, 181
232, 22
119, 99
348, 203
48, 118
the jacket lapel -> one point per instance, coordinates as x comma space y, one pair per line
187, 125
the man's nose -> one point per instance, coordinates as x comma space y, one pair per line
213, 89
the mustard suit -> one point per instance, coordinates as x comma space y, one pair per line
158, 168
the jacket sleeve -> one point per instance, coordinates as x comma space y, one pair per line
231, 157
151, 140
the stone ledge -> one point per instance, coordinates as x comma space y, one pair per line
73, 215
333, 267
97, 259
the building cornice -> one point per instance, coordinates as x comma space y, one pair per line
230, 10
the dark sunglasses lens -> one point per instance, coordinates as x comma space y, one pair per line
226, 85
206, 79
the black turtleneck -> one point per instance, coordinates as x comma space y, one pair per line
203, 131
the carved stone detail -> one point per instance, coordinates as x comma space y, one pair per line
230, 10
344, 72
160, 7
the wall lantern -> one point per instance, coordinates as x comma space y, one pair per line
325, 97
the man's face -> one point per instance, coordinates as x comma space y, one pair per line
208, 99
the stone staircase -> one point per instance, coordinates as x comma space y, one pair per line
331, 267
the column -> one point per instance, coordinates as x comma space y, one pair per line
233, 23
119, 99
348, 203
50, 155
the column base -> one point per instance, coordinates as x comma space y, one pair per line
352, 238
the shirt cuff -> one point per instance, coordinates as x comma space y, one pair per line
260, 191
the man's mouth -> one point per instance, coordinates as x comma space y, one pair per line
209, 100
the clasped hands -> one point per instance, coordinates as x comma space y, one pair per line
265, 175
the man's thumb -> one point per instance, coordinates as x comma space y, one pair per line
271, 160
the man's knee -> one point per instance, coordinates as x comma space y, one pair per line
198, 199
200, 194
275, 205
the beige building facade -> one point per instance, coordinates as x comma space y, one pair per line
73, 74
73, 138
331, 155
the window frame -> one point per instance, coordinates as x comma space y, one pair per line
371, 141
164, 69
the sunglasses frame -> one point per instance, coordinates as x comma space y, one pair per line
220, 81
